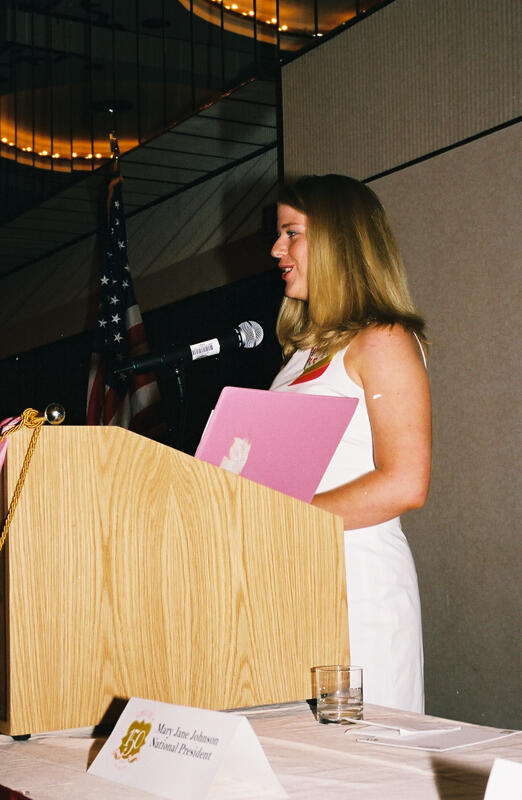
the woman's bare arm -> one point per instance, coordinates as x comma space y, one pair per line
387, 363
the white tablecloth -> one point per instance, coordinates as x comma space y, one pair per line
312, 761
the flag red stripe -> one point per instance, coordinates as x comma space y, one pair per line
147, 419
112, 406
96, 399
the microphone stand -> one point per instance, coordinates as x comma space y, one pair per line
179, 372
176, 413
175, 427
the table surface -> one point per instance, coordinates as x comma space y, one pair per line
310, 760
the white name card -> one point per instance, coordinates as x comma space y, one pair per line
505, 781
177, 752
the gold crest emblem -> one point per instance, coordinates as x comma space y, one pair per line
133, 740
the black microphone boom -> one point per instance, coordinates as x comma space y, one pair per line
246, 335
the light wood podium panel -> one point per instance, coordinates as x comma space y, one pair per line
132, 569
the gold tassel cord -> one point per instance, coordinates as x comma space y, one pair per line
29, 419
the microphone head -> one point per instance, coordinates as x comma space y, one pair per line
251, 333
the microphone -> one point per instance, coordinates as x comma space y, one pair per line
245, 335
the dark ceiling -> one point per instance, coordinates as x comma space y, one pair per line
163, 71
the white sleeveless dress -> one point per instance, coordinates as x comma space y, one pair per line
383, 597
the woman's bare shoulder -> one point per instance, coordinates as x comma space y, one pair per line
379, 347
384, 338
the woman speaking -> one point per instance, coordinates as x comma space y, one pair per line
348, 328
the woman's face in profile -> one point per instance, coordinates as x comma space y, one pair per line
291, 250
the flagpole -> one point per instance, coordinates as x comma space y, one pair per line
115, 147
113, 139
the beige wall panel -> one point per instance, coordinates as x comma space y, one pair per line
191, 243
412, 78
457, 221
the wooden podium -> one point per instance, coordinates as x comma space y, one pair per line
132, 569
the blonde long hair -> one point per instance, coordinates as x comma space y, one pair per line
356, 277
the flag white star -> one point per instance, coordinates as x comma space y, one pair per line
114, 300
118, 337
104, 280
102, 323
121, 245
116, 318
127, 267
125, 284
116, 204
116, 221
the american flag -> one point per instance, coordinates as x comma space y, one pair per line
128, 401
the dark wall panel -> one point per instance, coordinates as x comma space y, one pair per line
59, 371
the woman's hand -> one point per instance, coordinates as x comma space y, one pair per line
387, 363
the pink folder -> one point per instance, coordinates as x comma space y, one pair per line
280, 439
